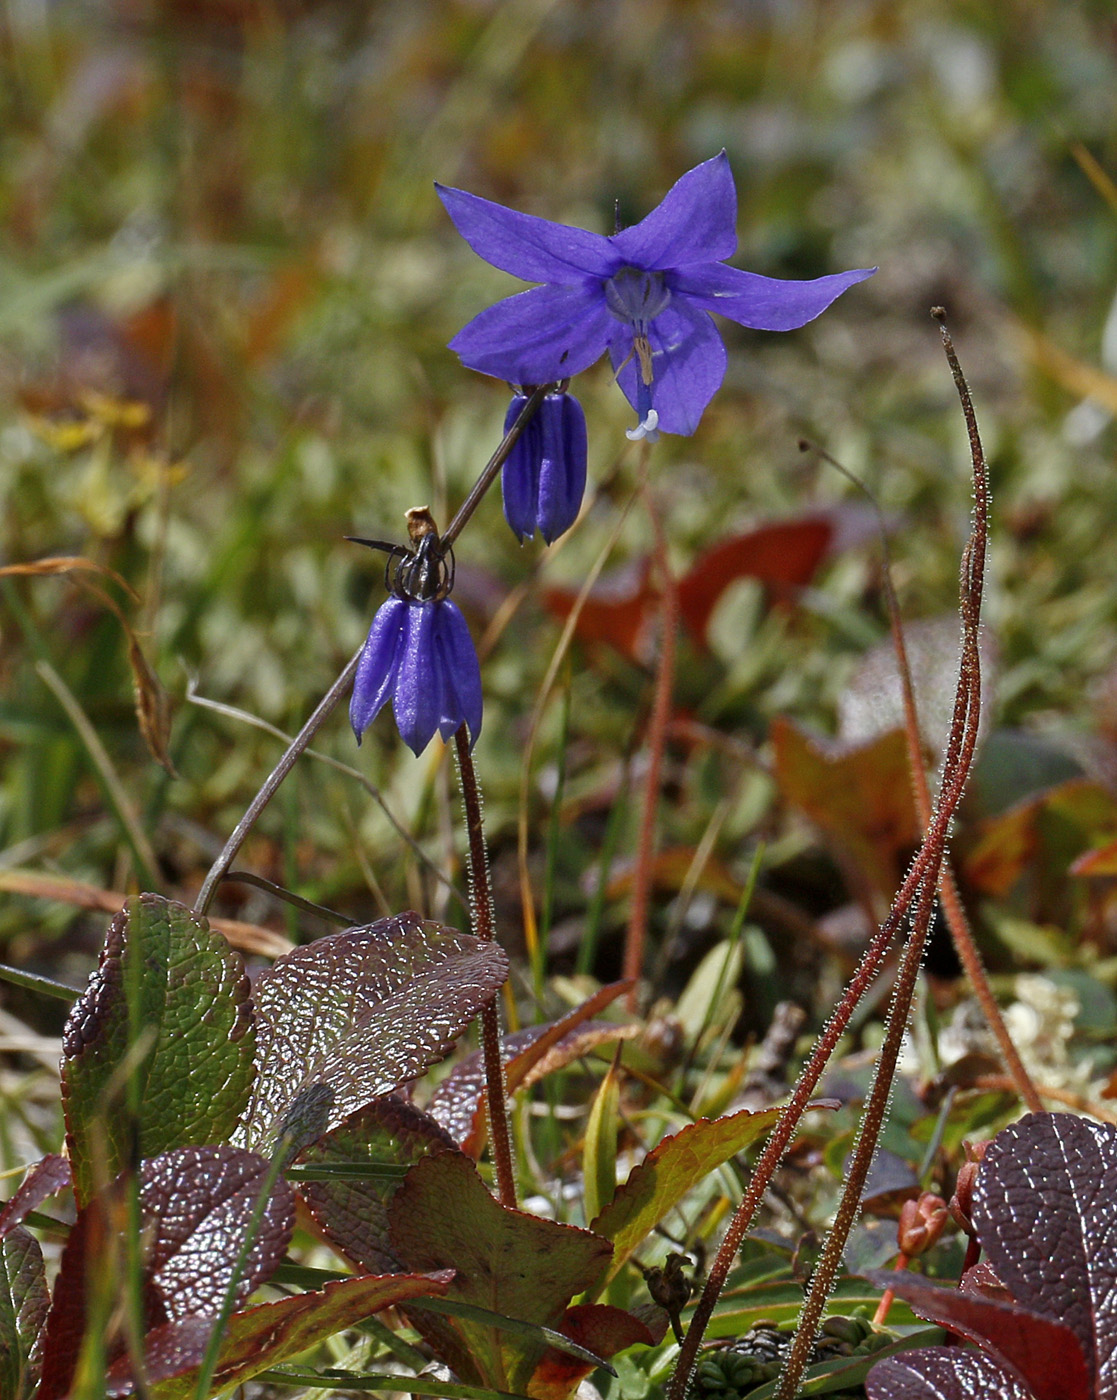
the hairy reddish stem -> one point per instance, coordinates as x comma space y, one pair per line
483, 920
637, 933
917, 889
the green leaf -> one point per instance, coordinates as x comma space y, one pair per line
263, 1336
668, 1172
330, 1379
159, 1048
24, 1301
599, 1155
360, 1012
509, 1262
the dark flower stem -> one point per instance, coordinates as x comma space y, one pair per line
921, 876
221, 866
492, 468
484, 926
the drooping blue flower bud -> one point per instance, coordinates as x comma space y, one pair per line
544, 478
419, 654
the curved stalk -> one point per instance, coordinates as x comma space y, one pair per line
483, 919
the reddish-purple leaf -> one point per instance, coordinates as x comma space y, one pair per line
943, 1373
620, 610
24, 1301
783, 555
195, 1206
860, 797
45, 1179
509, 1262
1044, 1210
1041, 1349
360, 1012
353, 1214
601, 1329
458, 1102
263, 1336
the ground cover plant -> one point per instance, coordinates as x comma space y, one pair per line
630, 1079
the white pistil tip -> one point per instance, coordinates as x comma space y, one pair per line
648, 428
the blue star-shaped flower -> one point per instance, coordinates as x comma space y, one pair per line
642, 294
419, 655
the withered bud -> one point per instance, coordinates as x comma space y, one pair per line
961, 1203
420, 523
921, 1224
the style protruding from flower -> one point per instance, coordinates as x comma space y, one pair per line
544, 478
643, 294
419, 654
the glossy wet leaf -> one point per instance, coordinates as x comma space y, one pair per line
459, 1101
1042, 1349
361, 1012
24, 1301
166, 979
354, 1213
944, 1373
1044, 1212
45, 1179
195, 1206
859, 797
507, 1261
265, 1335
668, 1172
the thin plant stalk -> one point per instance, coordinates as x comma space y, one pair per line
963, 736
955, 769
637, 932
483, 920
949, 897
326, 706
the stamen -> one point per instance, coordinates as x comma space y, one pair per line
644, 355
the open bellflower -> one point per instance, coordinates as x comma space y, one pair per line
420, 656
643, 294
544, 479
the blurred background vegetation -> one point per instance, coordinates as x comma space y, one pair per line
226, 289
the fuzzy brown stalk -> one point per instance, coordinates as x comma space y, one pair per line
962, 743
920, 880
636, 935
483, 921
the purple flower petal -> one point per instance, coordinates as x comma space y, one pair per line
695, 223
538, 336
379, 663
688, 362
461, 671
417, 700
562, 475
519, 477
534, 249
762, 303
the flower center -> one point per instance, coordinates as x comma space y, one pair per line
636, 296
